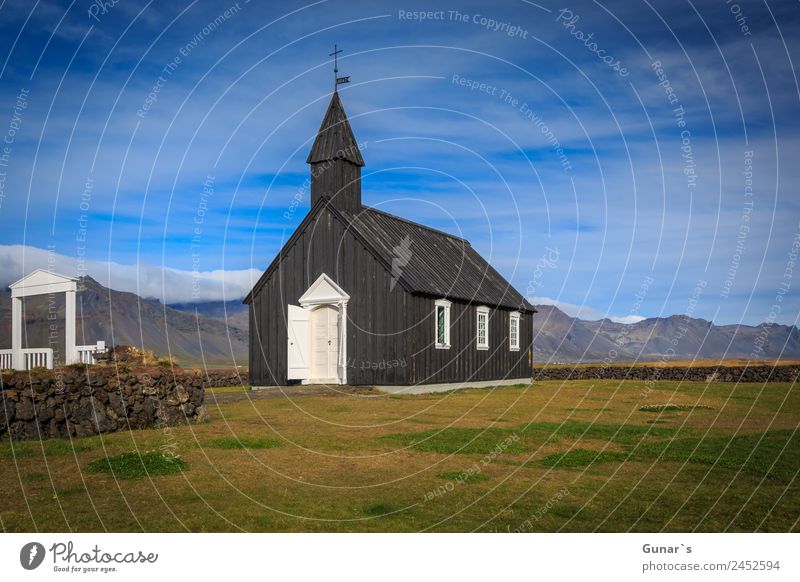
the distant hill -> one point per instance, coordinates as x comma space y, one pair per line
234, 311
213, 308
125, 318
561, 338
215, 332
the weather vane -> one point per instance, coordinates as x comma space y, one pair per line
337, 79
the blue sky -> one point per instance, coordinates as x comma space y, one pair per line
546, 133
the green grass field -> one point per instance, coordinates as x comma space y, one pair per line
555, 456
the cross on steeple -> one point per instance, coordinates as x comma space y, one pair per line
335, 159
337, 80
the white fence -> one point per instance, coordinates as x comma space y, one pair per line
86, 353
43, 357
38, 358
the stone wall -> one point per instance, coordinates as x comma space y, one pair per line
224, 377
756, 373
78, 401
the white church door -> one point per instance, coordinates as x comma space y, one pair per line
325, 344
298, 343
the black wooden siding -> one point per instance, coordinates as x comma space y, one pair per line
340, 181
464, 362
376, 311
390, 332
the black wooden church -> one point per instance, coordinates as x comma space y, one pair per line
358, 296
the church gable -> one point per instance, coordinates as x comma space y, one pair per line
325, 241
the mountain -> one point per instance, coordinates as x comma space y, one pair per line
215, 332
561, 338
234, 311
121, 318
217, 309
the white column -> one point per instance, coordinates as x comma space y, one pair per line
70, 355
343, 345
16, 334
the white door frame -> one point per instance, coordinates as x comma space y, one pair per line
324, 332
325, 291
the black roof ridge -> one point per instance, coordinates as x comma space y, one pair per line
407, 221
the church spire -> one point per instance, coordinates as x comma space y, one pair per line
336, 161
335, 139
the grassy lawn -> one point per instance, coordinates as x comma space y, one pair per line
555, 456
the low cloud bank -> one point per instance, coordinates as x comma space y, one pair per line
584, 311
150, 281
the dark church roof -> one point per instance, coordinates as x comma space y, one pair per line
435, 263
424, 260
335, 138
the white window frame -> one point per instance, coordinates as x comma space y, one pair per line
513, 342
445, 304
481, 311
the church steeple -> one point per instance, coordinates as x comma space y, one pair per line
336, 160
335, 138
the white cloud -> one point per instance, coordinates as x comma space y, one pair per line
584, 311
150, 281
627, 319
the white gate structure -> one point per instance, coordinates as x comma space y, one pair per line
42, 282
